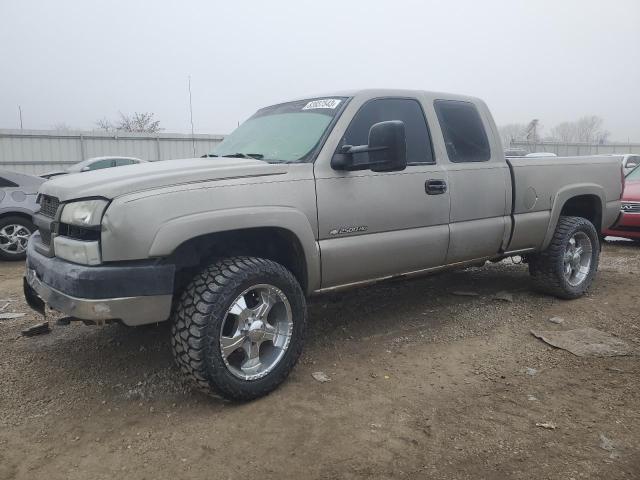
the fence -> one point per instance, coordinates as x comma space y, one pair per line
40, 151
572, 149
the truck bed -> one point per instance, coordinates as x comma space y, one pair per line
538, 197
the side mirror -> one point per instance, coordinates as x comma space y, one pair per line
387, 150
84, 169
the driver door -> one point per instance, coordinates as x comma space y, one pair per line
379, 224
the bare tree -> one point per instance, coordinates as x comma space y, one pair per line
511, 132
587, 129
138, 122
61, 127
141, 122
106, 125
602, 136
565, 132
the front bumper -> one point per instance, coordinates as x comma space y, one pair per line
134, 293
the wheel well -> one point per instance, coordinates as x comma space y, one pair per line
273, 243
26, 216
585, 206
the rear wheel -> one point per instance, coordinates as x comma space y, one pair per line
567, 267
238, 327
14, 235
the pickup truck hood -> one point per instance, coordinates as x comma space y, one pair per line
631, 192
113, 182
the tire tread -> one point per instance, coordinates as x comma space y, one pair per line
204, 300
543, 267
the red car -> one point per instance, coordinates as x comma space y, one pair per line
628, 224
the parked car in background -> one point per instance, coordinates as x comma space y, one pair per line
628, 224
629, 162
95, 163
540, 154
515, 152
18, 194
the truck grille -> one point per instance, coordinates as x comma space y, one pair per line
48, 206
45, 236
630, 207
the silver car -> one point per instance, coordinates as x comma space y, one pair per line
18, 194
95, 163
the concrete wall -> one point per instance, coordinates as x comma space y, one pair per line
40, 151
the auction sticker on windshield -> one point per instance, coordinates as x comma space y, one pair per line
323, 103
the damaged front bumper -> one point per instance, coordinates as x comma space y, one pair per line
135, 293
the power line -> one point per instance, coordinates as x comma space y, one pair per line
193, 140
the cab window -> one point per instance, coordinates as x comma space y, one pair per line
123, 161
464, 134
102, 164
408, 111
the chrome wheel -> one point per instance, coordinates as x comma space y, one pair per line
14, 238
577, 259
256, 332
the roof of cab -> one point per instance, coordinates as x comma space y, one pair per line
393, 92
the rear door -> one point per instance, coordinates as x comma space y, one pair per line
376, 224
479, 181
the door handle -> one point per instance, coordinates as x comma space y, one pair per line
435, 187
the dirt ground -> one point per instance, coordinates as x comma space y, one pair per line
424, 384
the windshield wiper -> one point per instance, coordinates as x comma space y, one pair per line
255, 156
207, 155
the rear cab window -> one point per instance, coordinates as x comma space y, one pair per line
464, 133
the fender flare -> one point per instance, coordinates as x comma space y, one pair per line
175, 232
565, 194
20, 211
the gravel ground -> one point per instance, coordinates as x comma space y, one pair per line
424, 383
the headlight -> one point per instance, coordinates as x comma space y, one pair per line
86, 213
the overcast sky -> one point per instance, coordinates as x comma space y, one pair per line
76, 61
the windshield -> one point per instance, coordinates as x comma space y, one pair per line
288, 132
80, 165
633, 175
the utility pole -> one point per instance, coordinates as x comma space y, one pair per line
20, 115
193, 139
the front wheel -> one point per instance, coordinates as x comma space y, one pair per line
567, 267
14, 235
238, 327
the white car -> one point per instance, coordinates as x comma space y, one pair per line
95, 163
18, 193
541, 154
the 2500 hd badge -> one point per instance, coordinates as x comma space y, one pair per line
346, 230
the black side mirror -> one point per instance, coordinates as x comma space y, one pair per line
387, 150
